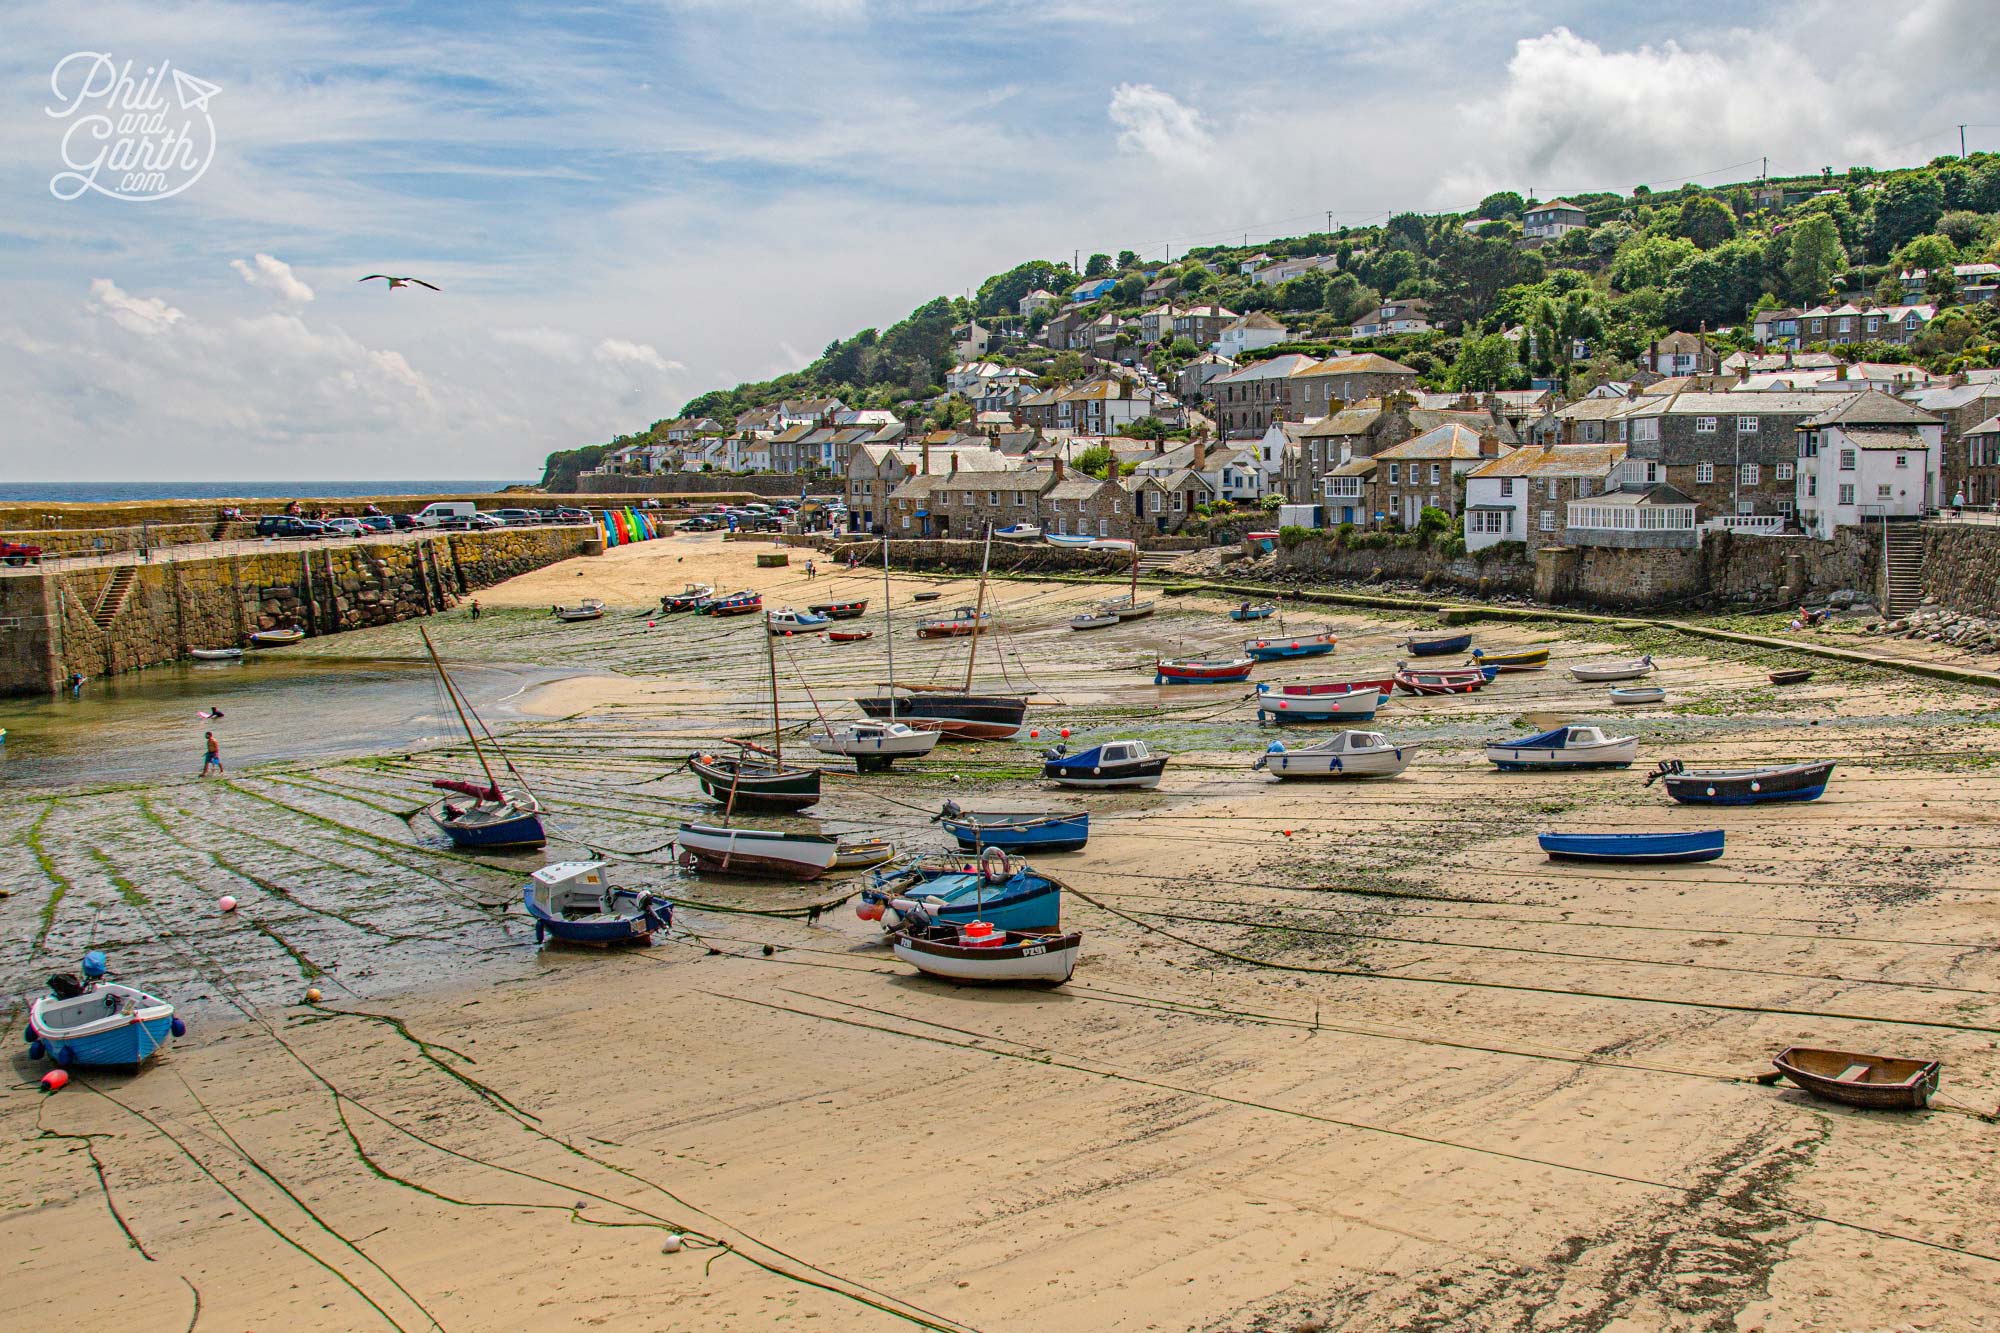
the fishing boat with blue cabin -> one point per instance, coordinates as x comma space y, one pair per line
572, 901
1042, 831
1112, 764
1700, 845
89, 1021
998, 890
1564, 747
1277, 648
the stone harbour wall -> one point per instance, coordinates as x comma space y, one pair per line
964, 556
1962, 567
107, 619
1314, 561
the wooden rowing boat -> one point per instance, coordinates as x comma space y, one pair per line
1872, 1082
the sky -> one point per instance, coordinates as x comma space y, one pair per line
632, 201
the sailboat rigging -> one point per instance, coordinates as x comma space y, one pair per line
494, 819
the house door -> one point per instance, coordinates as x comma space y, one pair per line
1413, 509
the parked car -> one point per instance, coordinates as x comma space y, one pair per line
344, 527
403, 522
701, 523
516, 517
436, 514
570, 514
484, 523
284, 525
20, 553
378, 523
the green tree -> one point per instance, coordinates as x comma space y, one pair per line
1649, 261
1184, 349
1966, 229
1814, 255
1194, 280
1706, 221
1094, 461
1558, 325
1128, 259
1097, 266
1001, 294
1905, 208
1483, 363
1067, 367
1500, 204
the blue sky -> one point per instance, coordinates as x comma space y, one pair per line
628, 203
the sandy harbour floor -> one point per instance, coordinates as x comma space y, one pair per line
1337, 1056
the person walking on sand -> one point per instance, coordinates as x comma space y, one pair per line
475, 608
812, 572
213, 758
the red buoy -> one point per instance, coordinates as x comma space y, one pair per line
55, 1080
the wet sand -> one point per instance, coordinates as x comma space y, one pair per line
1338, 1056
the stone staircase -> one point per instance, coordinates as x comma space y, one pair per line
1903, 579
1152, 562
112, 600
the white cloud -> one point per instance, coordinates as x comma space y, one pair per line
140, 314
551, 343
619, 351
1157, 124
274, 275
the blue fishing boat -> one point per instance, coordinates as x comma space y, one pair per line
88, 1021
1004, 894
1569, 747
571, 901
1458, 643
1261, 611
1043, 831
1290, 645
1112, 764
1703, 845
494, 820
1743, 786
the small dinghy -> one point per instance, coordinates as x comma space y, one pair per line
874, 746
1463, 681
849, 635
1075, 540
1042, 831
216, 654
925, 596
1564, 747
1201, 670
1096, 619
977, 952
1872, 1082
1796, 676
744, 603
1261, 611
687, 599
91, 1022
1126, 608
1006, 894
1638, 694
1743, 786
1295, 645
959, 624
1606, 671
787, 621
863, 853
1112, 764
1522, 659
571, 901
1351, 754
276, 638
590, 608
840, 610
756, 852
1704, 845
1457, 643
1309, 703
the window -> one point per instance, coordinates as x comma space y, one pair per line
1874, 323
1704, 472
1548, 521
1812, 485
1020, 498
1117, 506
1553, 484
1784, 472
944, 499
1434, 475
1750, 474
1847, 460
1506, 488
906, 522
1177, 502
993, 497
1785, 508
1882, 491
1647, 428
1395, 473
1847, 492
1809, 444
1704, 425
1104, 527
1746, 425
1434, 503
1746, 507
1902, 460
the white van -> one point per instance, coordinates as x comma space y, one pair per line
432, 515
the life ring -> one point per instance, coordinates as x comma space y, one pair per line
994, 867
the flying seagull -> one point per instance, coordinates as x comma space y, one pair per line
395, 282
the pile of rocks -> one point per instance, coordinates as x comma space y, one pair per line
1935, 624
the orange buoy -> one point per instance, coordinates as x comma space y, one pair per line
312, 996
55, 1080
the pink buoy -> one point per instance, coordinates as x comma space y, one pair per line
228, 904
55, 1080
649, 624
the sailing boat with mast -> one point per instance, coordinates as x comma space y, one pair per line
758, 779
874, 745
494, 820
957, 713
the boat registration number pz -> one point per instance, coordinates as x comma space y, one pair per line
1033, 949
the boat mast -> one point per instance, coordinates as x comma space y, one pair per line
1132, 598
451, 692
777, 740
978, 609
889, 612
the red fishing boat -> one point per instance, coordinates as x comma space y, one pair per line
1201, 670
849, 635
1383, 687
840, 610
736, 604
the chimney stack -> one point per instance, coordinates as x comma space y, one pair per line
1489, 445
1840, 373
926, 456
1058, 461
1200, 454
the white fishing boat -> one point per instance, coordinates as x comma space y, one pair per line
785, 620
1094, 619
1020, 532
1351, 754
590, 608
1565, 747
873, 745
1607, 671
1638, 694
978, 952
216, 654
756, 851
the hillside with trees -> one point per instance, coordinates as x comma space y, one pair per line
1577, 310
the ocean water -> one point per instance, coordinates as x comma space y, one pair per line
100, 492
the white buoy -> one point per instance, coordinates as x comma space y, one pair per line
672, 1244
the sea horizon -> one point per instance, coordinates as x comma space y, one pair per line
104, 492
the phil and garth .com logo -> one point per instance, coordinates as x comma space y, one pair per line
126, 137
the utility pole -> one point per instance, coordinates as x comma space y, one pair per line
1765, 174
1329, 218
1961, 143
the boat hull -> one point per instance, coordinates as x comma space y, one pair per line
216, 654
1897, 1085
757, 852
1793, 782
1705, 845
1254, 613
1294, 765
1023, 901
1458, 643
1041, 833
1047, 960
978, 717
1524, 759
1135, 774
1189, 672
86, 1032
873, 753
1274, 650
1530, 660
636, 927
487, 831
745, 786
1441, 682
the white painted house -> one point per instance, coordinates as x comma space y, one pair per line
1871, 457
1521, 497
1252, 331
